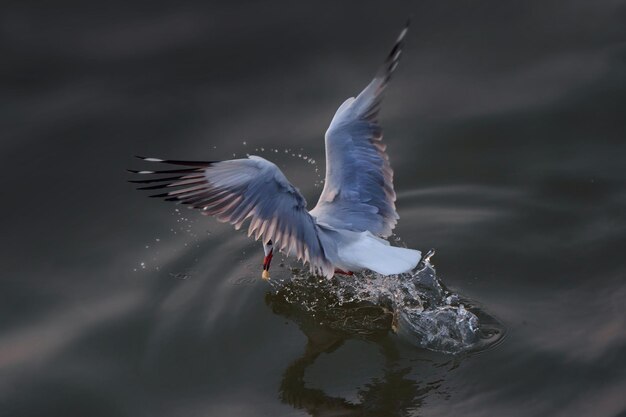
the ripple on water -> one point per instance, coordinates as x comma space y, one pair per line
416, 306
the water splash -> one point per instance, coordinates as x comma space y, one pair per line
299, 155
416, 306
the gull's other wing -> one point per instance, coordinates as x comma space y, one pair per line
358, 191
240, 189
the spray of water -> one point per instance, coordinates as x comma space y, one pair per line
415, 306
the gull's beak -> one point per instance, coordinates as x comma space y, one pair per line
269, 252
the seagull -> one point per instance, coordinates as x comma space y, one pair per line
345, 232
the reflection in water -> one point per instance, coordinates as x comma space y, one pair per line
416, 307
392, 395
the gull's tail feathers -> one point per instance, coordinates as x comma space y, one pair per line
370, 252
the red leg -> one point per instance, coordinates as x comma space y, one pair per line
342, 272
266, 264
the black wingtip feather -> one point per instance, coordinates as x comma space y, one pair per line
176, 162
164, 179
391, 62
159, 195
153, 187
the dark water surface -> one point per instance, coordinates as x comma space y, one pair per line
505, 125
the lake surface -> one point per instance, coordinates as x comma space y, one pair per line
506, 131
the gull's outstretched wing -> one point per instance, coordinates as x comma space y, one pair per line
358, 191
240, 189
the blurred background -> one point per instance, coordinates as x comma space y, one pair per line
505, 127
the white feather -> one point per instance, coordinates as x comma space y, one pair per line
366, 251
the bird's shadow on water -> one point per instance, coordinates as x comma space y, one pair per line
415, 323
